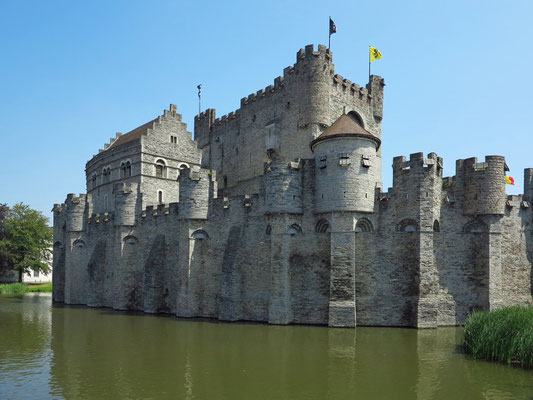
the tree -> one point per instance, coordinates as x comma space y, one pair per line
25, 239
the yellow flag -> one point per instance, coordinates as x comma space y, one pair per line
374, 54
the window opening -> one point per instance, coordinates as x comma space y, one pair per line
344, 159
322, 226
160, 169
160, 197
323, 162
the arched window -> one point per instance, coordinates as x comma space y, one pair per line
78, 243
475, 226
160, 197
364, 225
130, 240
122, 169
128, 169
200, 235
225, 181
160, 169
436, 226
356, 117
106, 173
268, 230
408, 225
322, 226
58, 245
294, 229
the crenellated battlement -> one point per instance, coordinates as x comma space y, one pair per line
161, 210
417, 161
73, 199
97, 218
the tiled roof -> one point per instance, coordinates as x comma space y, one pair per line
345, 126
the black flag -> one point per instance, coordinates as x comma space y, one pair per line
332, 27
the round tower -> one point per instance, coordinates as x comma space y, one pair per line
346, 165
194, 190
484, 186
75, 207
313, 74
283, 187
125, 203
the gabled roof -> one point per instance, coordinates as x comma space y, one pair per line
132, 135
345, 126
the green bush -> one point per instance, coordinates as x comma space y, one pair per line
13, 288
504, 335
17, 288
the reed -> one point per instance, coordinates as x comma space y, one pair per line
504, 335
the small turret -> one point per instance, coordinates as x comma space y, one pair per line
125, 203
483, 185
195, 187
375, 89
417, 186
283, 187
346, 165
202, 126
75, 212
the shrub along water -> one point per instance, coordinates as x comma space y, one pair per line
504, 335
17, 288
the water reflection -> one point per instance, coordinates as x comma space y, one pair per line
99, 353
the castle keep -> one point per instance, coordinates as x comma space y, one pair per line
276, 213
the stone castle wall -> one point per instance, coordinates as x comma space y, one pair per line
254, 226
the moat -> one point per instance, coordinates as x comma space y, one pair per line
71, 352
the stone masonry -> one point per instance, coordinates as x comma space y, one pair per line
276, 213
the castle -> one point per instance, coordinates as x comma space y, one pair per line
276, 213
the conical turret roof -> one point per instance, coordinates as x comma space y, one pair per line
345, 126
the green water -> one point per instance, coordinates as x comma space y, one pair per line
75, 353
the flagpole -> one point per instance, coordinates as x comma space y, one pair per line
329, 30
369, 63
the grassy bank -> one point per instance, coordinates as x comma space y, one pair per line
17, 288
504, 335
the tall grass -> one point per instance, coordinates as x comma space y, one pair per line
18, 288
504, 335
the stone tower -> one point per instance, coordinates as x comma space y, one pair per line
346, 181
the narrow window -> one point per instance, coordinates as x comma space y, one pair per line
365, 161
160, 169
128, 169
323, 162
105, 202
344, 160
225, 181
160, 197
123, 170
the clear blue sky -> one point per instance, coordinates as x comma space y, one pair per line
73, 73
